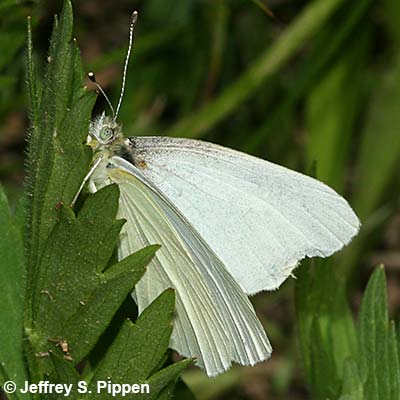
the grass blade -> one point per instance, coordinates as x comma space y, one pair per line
307, 23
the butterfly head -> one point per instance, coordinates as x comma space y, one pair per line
104, 130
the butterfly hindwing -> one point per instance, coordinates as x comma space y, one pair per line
215, 322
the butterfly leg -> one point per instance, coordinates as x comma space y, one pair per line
85, 179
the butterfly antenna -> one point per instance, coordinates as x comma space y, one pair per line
92, 77
131, 30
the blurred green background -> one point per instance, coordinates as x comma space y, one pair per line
315, 87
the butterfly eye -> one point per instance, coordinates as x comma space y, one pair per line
106, 133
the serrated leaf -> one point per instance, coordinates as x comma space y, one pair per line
57, 159
71, 160
138, 349
372, 372
12, 271
40, 154
114, 286
75, 301
74, 292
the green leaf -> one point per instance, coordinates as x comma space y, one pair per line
352, 388
331, 116
103, 303
380, 147
326, 329
139, 350
374, 359
71, 159
12, 271
73, 291
372, 371
381, 133
57, 159
163, 382
31, 77
324, 380
76, 296
394, 361
64, 373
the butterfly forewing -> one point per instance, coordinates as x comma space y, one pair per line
259, 218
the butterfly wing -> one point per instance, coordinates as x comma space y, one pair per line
215, 322
259, 218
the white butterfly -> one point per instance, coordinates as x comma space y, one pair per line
230, 225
